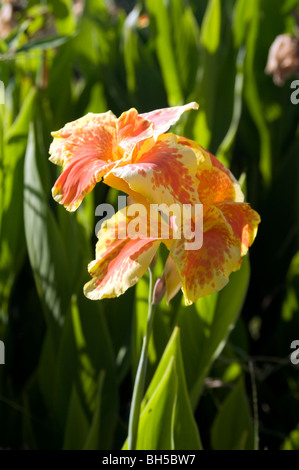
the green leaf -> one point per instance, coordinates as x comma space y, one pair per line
12, 244
233, 428
185, 433
93, 440
217, 58
184, 430
159, 13
77, 424
211, 26
43, 43
85, 354
45, 246
243, 13
142, 72
186, 44
252, 93
205, 327
155, 430
292, 441
164, 321
156, 424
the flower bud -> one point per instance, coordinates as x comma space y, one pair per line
283, 58
159, 291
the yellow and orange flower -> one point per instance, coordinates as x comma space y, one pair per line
229, 228
100, 146
135, 155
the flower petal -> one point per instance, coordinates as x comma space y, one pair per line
214, 186
120, 262
90, 150
163, 172
239, 196
65, 139
206, 161
207, 270
78, 179
131, 129
163, 118
243, 221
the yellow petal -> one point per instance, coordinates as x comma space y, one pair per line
207, 269
120, 260
163, 172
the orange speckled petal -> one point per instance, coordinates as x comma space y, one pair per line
214, 185
90, 151
239, 196
161, 173
162, 119
243, 221
223, 180
119, 263
78, 179
61, 147
207, 270
131, 129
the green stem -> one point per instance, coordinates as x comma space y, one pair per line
141, 371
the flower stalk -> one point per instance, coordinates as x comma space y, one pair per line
141, 370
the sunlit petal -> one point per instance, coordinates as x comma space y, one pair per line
163, 118
90, 151
243, 221
61, 149
161, 173
120, 260
207, 270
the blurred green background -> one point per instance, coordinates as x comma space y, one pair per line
226, 380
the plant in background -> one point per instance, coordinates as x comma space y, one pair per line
134, 154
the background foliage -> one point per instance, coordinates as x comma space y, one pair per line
219, 375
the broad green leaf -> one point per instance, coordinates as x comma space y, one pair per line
159, 15
93, 440
142, 72
45, 246
233, 428
12, 244
185, 432
184, 429
205, 327
64, 15
217, 58
224, 150
211, 26
252, 94
85, 353
156, 425
243, 13
77, 424
186, 35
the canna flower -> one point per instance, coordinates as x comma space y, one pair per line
132, 147
229, 229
